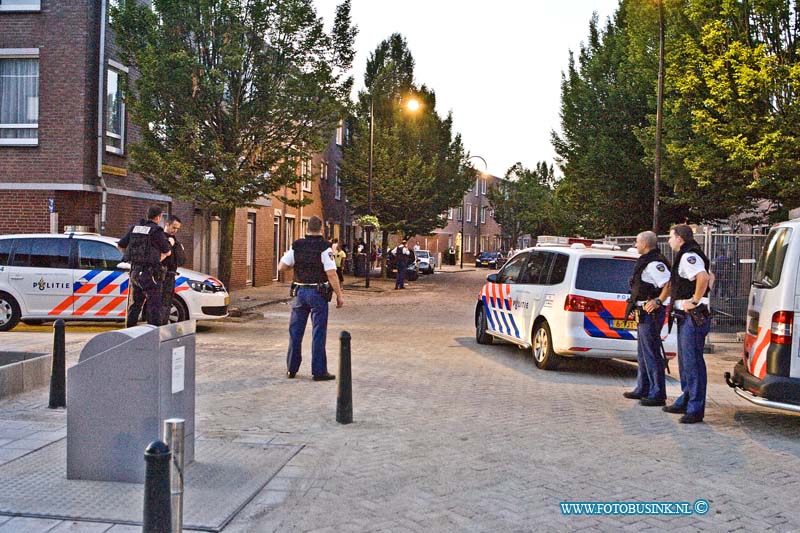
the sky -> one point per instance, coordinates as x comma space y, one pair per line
496, 64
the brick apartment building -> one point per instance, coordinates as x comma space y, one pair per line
471, 225
60, 166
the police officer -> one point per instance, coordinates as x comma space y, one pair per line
403, 257
314, 279
175, 259
649, 289
689, 289
145, 245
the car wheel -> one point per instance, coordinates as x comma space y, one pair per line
9, 312
178, 312
542, 347
481, 335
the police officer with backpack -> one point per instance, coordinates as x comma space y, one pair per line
315, 282
649, 289
145, 245
689, 292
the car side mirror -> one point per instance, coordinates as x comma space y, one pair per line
492, 278
122, 265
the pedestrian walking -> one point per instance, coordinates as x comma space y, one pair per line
177, 258
689, 292
402, 257
649, 289
339, 256
315, 282
144, 246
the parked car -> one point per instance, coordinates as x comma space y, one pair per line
80, 276
490, 260
563, 301
426, 261
412, 270
769, 372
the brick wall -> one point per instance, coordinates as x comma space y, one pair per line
24, 212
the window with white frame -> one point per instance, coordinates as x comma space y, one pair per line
303, 227
115, 107
337, 192
323, 170
477, 186
460, 214
450, 214
469, 212
483, 187
468, 244
20, 5
305, 172
340, 133
483, 215
19, 96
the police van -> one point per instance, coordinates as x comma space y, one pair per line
563, 300
81, 276
769, 372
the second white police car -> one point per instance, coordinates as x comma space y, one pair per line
78, 276
562, 300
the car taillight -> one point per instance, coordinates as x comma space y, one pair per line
582, 304
781, 330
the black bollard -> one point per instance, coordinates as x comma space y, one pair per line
344, 398
157, 495
58, 373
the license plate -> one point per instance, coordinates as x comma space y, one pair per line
227, 300
623, 324
484, 262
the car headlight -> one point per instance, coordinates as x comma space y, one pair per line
201, 286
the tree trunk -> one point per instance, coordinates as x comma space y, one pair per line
226, 227
385, 254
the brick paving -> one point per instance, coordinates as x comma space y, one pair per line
451, 435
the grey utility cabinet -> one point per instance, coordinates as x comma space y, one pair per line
126, 383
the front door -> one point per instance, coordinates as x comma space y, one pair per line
499, 298
528, 294
101, 290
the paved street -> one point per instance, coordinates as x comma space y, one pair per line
450, 435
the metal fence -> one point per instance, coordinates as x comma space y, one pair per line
733, 259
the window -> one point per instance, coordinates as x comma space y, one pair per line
323, 170
289, 233
510, 272
5, 251
98, 255
476, 215
337, 193
483, 187
770, 263
450, 214
340, 133
304, 227
604, 275
467, 244
19, 96
559, 270
460, 214
20, 5
538, 267
305, 172
483, 215
469, 212
115, 108
41, 253
477, 186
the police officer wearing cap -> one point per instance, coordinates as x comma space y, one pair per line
145, 245
649, 289
315, 280
689, 289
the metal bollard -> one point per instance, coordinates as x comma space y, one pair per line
174, 434
58, 373
156, 515
344, 398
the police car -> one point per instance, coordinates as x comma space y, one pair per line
563, 300
81, 277
769, 372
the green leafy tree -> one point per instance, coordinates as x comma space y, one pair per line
419, 164
230, 95
524, 201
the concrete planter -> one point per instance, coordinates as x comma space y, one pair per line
24, 372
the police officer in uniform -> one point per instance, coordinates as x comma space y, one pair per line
403, 257
177, 258
315, 280
649, 289
689, 288
145, 245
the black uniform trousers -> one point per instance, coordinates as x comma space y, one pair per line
146, 289
167, 291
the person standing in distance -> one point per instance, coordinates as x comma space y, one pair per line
314, 275
145, 245
402, 258
649, 289
689, 292
177, 258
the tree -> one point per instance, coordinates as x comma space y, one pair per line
419, 164
523, 201
231, 95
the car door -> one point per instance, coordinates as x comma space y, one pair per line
528, 292
101, 289
39, 272
498, 298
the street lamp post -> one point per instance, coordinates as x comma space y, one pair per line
463, 206
659, 114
